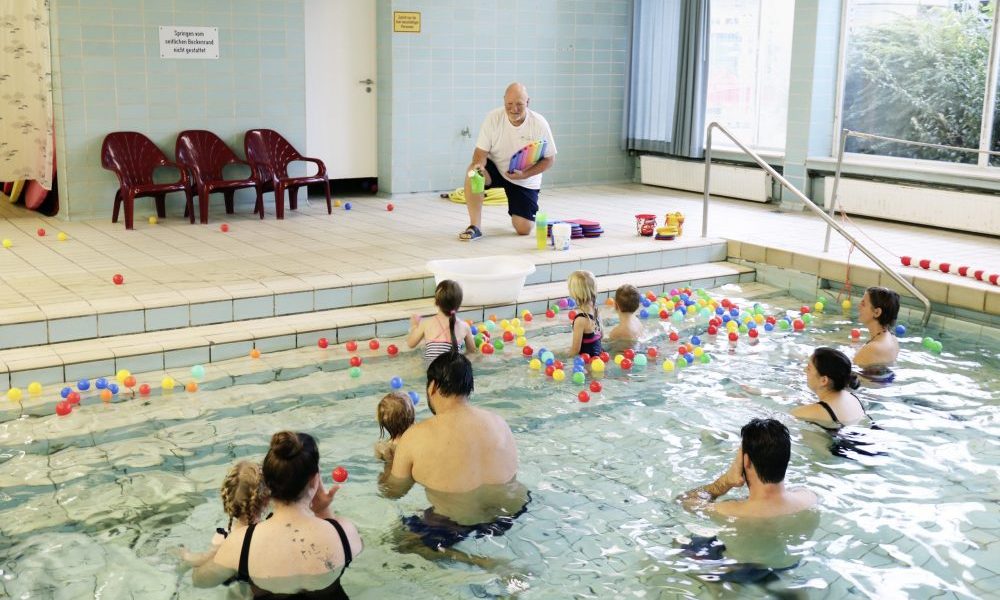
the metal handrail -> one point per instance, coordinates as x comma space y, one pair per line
808, 203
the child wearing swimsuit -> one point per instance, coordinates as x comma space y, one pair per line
443, 332
587, 332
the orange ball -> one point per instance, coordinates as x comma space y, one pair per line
255, 353
192, 386
106, 395
609, 302
129, 381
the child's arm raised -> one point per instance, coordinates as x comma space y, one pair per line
416, 331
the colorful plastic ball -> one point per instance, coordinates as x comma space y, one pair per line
498, 345
855, 334
625, 364
558, 374
546, 356
323, 342
664, 314
733, 336
639, 360
695, 340
535, 364
527, 316
753, 333
595, 386
351, 346
487, 349
846, 305
798, 324
373, 345
83, 385
414, 397
65, 392
807, 318
337, 203
113, 388
224, 227
100, 383
118, 279
144, 389
677, 317
396, 383
392, 350
743, 329
106, 395
339, 474
583, 396
41, 232
527, 351
354, 372
167, 383
64, 408
62, 237
355, 361
605, 357
34, 388
550, 314
680, 364
705, 359
768, 327
579, 377
900, 331
644, 314
15, 394
818, 307
618, 359
927, 342
254, 353
668, 365
130, 381
389, 207
712, 330
521, 341
937, 346
629, 353
549, 370
73, 398
597, 365
783, 324
7, 243
508, 336
673, 336
153, 220
347, 206
651, 352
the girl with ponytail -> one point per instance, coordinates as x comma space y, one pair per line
444, 332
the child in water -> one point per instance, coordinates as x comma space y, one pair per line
629, 328
395, 414
443, 332
587, 324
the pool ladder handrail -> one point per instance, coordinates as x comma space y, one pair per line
909, 287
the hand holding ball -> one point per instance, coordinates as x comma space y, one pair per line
339, 474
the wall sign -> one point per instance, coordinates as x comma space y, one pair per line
189, 42
405, 22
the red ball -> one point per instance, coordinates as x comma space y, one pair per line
586, 358
726, 302
804, 309
487, 348
944, 267
73, 398
351, 346
674, 337
733, 336
572, 315
373, 344
595, 386
651, 352
664, 314
605, 357
557, 364
629, 353
770, 320
527, 351
994, 278
527, 318
389, 207
753, 333
712, 330
224, 227
392, 350
549, 370
41, 232
550, 314
508, 336
583, 396
339, 474
144, 389
355, 361
798, 324
64, 408
118, 279
855, 334
905, 260
322, 342
626, 364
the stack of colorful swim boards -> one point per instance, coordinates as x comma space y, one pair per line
581, 228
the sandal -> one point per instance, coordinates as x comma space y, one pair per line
470, 234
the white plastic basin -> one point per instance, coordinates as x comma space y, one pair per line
484, 279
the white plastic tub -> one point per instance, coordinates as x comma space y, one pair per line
485, 279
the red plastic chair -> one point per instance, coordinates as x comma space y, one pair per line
206, 155
134, 157
269, 155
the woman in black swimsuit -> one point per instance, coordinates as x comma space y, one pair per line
828, 375
302, 551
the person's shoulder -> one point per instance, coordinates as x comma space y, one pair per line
537, 115
804, 497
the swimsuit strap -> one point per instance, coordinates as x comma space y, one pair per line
343, 540
443, 331
862, 405
589, 316
829, 410
243, 571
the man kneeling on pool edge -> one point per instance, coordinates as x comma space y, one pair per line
760, 464
464, 456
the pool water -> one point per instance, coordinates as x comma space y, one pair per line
92, 505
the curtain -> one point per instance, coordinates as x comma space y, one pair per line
26, 145
668, 77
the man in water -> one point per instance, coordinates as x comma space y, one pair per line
505, 131
760, 464
464, 456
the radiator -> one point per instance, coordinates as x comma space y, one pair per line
947, 209
745, 183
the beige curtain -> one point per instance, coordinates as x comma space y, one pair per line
26, 145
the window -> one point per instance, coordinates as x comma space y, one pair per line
750, 53
917, 70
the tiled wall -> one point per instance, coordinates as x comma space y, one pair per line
108, 76
571, 54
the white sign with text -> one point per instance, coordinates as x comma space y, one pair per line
189, 42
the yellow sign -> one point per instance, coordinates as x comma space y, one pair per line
405, 22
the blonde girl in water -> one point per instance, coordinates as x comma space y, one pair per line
443, 332
587, 331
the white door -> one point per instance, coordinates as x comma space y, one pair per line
340, 86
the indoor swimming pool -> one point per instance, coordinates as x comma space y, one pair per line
94, 504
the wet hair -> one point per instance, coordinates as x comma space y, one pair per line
395, 414
452, 373
290, 463
583, 290
835, 366
627, 298
767, 444
448, 298
888, 301
243, 492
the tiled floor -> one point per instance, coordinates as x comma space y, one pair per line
174, 263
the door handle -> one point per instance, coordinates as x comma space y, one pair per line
367, 81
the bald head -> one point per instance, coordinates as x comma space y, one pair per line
515, 101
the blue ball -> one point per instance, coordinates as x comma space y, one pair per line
684, 297
689, 357
735, 312
396, 383
549, 361
578, 369
726, 318
101, 383
719, 310
414, 397
541, 351
570, 303
645, 302
900, 330
475, 330
113, 387
578, 362
83, 385
65, 392
347, 206
768, 327
644, 314
751, 325
695, 340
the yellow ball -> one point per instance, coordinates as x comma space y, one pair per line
698, 351
336, 202
519, 330
515, 322
597, 365
14, 394
504, 324
7, 243
34, 388
535, 364
732, 326
618, 359
521, 341
167, 383
558, 375
846, 304
759, 319
152, 220
122, 375
668, 365
62, 237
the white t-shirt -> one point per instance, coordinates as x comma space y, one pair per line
501, 140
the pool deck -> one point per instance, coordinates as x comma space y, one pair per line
308, 273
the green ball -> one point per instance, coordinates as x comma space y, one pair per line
554, 308
705, 359
579, 377
936, 347
807, 318
782, 324
354, 372
498, 345
682, 363
744, 329
927, 342
821, 300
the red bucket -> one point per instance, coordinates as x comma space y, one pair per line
645, 225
